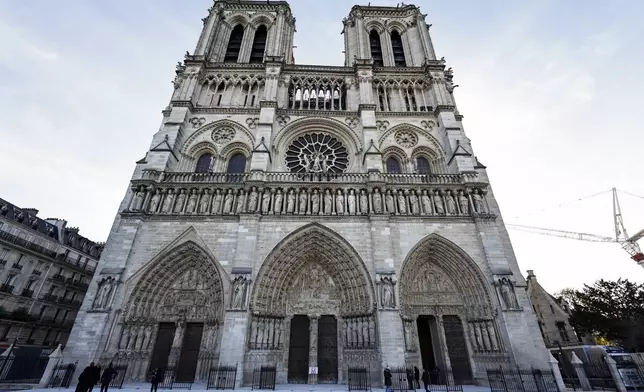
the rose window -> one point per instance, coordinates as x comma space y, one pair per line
406, 139
223, 135
317, 153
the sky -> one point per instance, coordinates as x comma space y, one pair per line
551, 94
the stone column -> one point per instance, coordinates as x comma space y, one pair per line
617, 378
313, 347
554, 366
443, 341
177, 342
578, 366
54, 359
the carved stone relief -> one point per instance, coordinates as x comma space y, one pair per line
223, 135
252, 122
386, 290
197, 121
382, 125
240, 288
313, 292
405, 138
104, 293
507, 295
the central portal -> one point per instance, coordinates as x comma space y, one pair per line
298, 351
328, 350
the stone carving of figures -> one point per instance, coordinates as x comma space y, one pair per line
228, 202
178, 207
339, 202
290, 202
402, 202
266, 201
192, 202
138, 201
252, 200
463, 203
479, 204
216, 204
507, 294
377, 201
364, 202
351, 202
449, 202
154, 202
178, 333
277, 208
365, 332
238, 294
426, 202
328, 202
438, 203
167, 203
413, 203
303, 201
146, 338
315, 202
389, 201
408, 336
103, 294
240, 201
125, 335
260, 333
387, 293
204, 203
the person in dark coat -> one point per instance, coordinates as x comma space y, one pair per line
96, 376
417, 377
108, 376
155, 380
387, 374
85, 378
434, 374
426, 379
410, 379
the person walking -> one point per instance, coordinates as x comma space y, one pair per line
155, 380
387, 374
85, 378
108, 376
426, 379
410, 379
417, 377
95, 377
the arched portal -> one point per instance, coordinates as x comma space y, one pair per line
312, 306
446, 309
173, 315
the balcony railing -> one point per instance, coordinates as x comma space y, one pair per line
17, 266
69, 302
75, 283
50, 298
6, 288
27, 293
58, 278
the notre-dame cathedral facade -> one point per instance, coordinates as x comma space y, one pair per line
308, 217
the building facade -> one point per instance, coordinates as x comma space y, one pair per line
45, 271
309, 217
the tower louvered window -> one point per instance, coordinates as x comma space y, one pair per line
397, 49
259, 44
376, 48
234, 44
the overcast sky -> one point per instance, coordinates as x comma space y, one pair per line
552, 94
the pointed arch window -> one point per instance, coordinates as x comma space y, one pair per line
376, 48
397, 49
393, 166
259, 44
237, 163
234, 44
204, 163
422, 166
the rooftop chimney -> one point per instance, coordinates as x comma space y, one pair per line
531, 274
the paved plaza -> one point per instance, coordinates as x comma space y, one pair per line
284, 387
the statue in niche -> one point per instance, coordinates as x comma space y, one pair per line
303, 201
192, 202
315, 202
103, 294
377, 201
290, 203
413, 203
216, 204
438, 203
402, 202
449, 202
240, 201
463, 203
178, 333
205, 200
389, 201
351, 202
277, 208
339, 202
125, 336
154, 202
178, 207
364, 202
479, 203
508, 295
387, 293
266, 201
409, 341
252, 200
239, 291
328, 202
138, 201
167, 203
426, 202
228, 202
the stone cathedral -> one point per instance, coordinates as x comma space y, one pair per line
309, 217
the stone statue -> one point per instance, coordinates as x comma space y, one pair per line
463, 203
315, 202
178, 207
328, 202
507, 294
216, 205
449, 202
303, 201
402, 202
192, 202
252, 200
154, 202
389, 201
178, 333
351, 202
228, 202
413, 203
240, 201
339, 202
377, 201
479, 204
277, 207
204, 202
125, 336
103, 294
167, 203
364, 202
138, 201
290, 204
238, 294
438, 203
426, 202
266, 201
409, 342
387, 293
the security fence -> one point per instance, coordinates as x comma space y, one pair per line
264, 377
521, 380
358, 379
62, 375
222, 377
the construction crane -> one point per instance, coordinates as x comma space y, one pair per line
628, 243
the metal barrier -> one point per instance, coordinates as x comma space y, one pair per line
521, 380
264, 377
222, 377
19, 369
168, 381
402, 378
599, 376
358, 379
62, 376
443, 381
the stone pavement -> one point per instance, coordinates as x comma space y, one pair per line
283, 387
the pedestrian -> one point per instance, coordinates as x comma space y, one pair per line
387, 374
434, 374
96, 377
155, 380
417, 377
108, 376
85, 378
410, 379
426, 379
